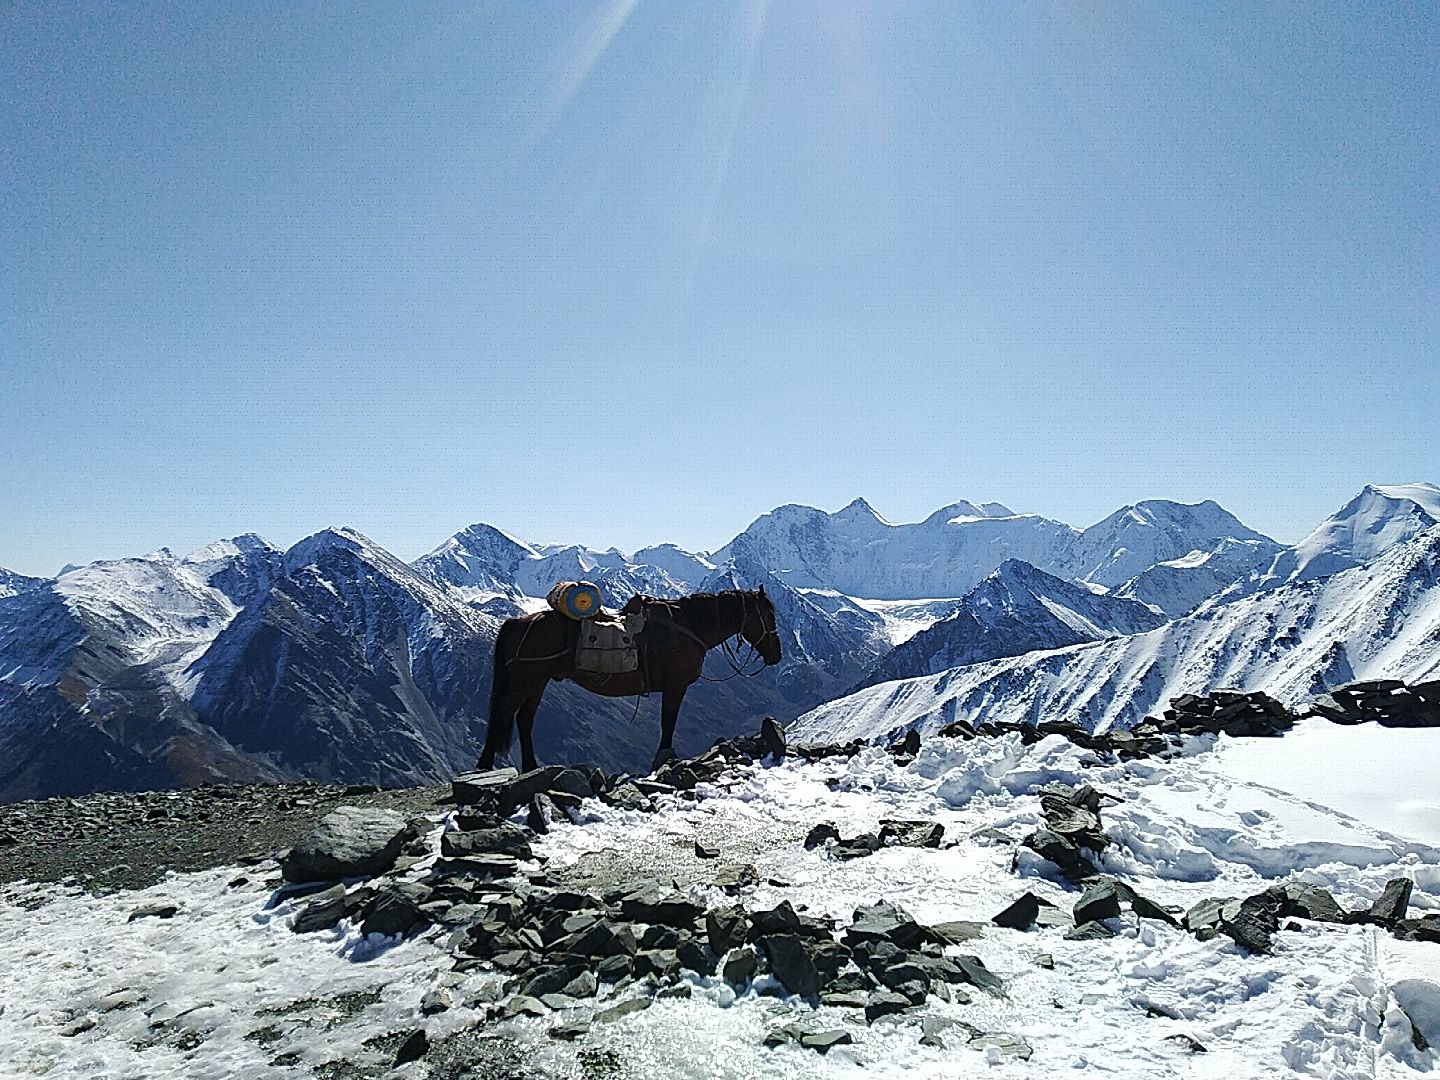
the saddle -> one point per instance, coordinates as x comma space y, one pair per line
606, 643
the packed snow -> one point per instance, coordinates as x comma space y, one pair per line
1367, 772
225, 989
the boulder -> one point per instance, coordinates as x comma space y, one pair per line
154, 911
350, 841
772, 738
395, 909
726, 927
740, 965
978, 975
1100, 901
885, 1003
506, 839
1062, 852
324, 910
480, 788
571, 979
884, 921
1253, 927
1425, 928
821, 833
1392, 903
1027, 911
1091, 931
1298, 900
954, 932
733, 877
792, 963
622, 1010
911, 833
650, 905
575, 782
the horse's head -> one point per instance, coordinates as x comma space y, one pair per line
758, 627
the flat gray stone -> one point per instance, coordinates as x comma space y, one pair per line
350, 841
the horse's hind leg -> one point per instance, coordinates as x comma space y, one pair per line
498, 731
526, 720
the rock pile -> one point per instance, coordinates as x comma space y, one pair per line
894, 832
1072, 817
1388, 702
560, 948
1234, 712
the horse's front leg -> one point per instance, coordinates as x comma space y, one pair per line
669, 712
526, 720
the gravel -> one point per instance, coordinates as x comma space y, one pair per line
111, 841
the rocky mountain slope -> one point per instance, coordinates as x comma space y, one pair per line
1017, 609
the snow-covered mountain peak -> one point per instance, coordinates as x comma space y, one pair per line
686, 568
858, 510
1426, 496
244, 544
1370, 524
1137, 537
965, 510
345, 542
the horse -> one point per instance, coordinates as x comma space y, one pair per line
534, 649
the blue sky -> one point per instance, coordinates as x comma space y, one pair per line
638, 271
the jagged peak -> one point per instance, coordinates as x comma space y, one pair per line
859, 508
482, 531
245, 544
333, 538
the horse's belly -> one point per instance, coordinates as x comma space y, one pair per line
621, 684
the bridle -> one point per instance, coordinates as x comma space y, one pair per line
737, 664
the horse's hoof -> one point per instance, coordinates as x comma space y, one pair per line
664, 754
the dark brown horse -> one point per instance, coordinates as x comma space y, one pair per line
532, 650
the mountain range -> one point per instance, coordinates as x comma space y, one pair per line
336, 660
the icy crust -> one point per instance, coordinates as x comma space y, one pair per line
228, 990
1377, 621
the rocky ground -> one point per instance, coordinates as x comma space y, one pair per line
110, 841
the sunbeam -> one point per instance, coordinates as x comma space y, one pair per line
578, 59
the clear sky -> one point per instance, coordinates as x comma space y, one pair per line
637, 271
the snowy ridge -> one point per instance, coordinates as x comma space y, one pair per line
1366, 527
1381, 620
481, 563
1179, 586
13, 584
856, 552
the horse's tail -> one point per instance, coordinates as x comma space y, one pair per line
501, 729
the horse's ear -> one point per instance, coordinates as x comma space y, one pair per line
762, 588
